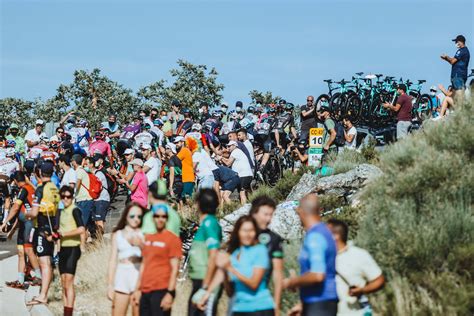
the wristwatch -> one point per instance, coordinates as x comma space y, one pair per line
172, 293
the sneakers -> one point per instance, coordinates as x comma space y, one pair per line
17, 285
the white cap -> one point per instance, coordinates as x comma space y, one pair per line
137, 162
129, 151
178, 139
171, 147
39, 122
433, 88
232, 142
145, 146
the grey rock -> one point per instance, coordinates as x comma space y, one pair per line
307, 181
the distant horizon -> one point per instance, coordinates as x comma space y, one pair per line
286, 48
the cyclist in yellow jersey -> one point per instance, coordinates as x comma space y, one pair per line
45, 206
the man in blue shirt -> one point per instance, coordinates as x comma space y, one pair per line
317, 282
460, 64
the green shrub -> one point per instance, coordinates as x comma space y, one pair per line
282, 188
418, 221
345, 160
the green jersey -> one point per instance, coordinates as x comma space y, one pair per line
208, 237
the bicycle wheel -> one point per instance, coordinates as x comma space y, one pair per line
337, 105
354, 108
323, 99
424, 107
273, 171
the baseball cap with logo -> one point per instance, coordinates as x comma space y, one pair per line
128, 151
137, 162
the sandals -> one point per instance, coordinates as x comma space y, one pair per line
16, 285
36, 301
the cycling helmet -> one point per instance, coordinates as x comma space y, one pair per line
82, 123
258, 109
251, 109
289, 106
271, 105
271, 110
282, 102
11, 143
9, 152
185, 111
196, 127
233, 114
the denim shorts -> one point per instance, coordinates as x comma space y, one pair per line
458, 83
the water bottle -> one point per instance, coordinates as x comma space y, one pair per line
365, 304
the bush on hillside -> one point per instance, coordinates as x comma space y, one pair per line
418, 221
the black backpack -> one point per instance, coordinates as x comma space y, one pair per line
340, 140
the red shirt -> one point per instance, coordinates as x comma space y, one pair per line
158, 250
404, 114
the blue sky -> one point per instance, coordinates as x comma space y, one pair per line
287, 47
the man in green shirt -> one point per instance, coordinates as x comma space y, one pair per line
20, 141
329, 129
204, 248
157, 198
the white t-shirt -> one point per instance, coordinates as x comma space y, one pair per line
241, 163
249, 147
104, 194
155, 165
143, 138
358, 267
352, 145
204, 163
33, 136
69, 177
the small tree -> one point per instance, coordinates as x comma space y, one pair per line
17, 111
266, 97
192, 85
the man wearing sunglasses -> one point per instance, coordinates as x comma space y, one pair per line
308, 118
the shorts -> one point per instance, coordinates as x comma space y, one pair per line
324, 308
188, 189
100, 210
178, 190
68, 258
232, 184
206, 182
402, 129
42, 247
150, 303
245, 183
25, 232
265, 142
87, 209
126, 277
458, 83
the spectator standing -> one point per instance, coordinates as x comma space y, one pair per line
317, 260
174, 115
102, 203
19, 141
139, 185
228, 180
125, 259
308, 118
157, 198
156, 284
241, 165
69, 174
33, 136
242, 136
186, 157
459, 65
70, 230
152, 164
403, 107
174, 172
100, 146
83, 199
204, 165
205, 245
329, 125
357, 273
204, 112
350, 133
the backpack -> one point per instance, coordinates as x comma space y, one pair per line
340, 140
111, 184
95, 186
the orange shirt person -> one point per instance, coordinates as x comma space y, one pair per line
186, 157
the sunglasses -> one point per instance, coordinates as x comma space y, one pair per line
59, 132
66, 196
309, 100
433, 90
160, 216
133, 216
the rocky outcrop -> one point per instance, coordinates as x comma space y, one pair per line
286, 222
343, 184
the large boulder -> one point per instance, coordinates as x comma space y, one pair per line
343, 184
285, 221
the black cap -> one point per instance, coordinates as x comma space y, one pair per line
460, 38
239, 104
47, 168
